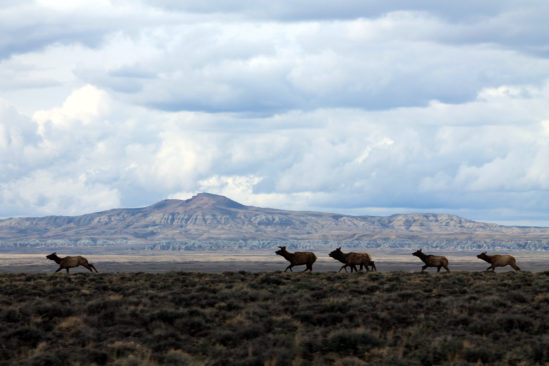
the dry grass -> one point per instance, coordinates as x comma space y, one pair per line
243, 318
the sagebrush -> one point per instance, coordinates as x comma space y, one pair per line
242, 318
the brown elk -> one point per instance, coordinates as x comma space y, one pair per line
353, 259
498, 260
432, 260
70, 262
297, 258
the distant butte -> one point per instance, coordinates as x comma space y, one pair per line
208, 218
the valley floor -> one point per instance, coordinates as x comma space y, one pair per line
252, 261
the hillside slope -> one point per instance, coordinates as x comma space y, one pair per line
208, 217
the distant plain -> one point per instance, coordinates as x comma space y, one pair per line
255, 261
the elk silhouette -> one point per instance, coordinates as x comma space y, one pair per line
70, 262
432, 260
297, 258
498, 260
353, 259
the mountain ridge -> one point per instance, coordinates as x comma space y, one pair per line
208, 217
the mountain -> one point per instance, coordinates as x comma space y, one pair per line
209, 221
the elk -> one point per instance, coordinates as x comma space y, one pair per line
297, 259
498, 260
432, 260
70, 262
353, 259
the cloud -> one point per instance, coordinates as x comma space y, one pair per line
497, 22
240, 57
84, 106
399, 60
48, 193
327, 10
19, 142
441, 157
375, 107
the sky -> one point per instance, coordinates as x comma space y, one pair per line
363, 107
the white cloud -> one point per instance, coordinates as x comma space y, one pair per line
368, 150
85, 106
19, 142
302, 105
330, 159
47, 194
397, 55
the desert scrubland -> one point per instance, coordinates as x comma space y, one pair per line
274, 318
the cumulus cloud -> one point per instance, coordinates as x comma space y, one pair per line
343, 160
32, 26
84, 106
253, 67
373, 108
47, 193
387, 55
19, 143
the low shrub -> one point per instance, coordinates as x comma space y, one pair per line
274, 318
347, 342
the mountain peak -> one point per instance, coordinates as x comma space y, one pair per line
201, 201
210, 200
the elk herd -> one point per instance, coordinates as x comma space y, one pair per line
364, 260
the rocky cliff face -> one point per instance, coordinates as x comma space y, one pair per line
212, 217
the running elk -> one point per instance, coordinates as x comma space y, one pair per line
70, 262
353, 259
432, 260
297, 259
498, 260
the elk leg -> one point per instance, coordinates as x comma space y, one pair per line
58, 269
343, 267
67, 269
289, 268
90, 266
424, 267
438, 269
515, 267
